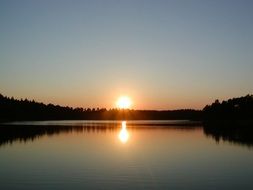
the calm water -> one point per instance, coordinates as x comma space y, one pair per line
122, 155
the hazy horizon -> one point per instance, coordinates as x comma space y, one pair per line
162, 54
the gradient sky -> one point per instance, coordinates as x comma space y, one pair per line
163, 54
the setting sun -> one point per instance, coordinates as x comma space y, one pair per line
124, 102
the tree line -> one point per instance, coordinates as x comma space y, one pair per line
20, 110
232, 109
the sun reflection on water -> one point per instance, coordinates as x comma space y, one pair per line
123, 134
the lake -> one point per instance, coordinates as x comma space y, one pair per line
122, 155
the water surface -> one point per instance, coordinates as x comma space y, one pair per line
121, 155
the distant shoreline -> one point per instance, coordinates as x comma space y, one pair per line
237, 110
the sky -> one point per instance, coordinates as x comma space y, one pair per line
162, 54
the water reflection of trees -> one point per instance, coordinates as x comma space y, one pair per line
24, 133
219, 132
12, 133
230, 132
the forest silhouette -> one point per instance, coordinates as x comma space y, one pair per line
232, 109
22, 110
236, 109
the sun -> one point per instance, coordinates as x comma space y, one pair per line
124, 102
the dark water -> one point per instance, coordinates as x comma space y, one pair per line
119, 155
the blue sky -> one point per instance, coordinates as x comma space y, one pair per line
163, 54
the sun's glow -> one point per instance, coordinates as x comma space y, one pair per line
123, 134
124, 102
